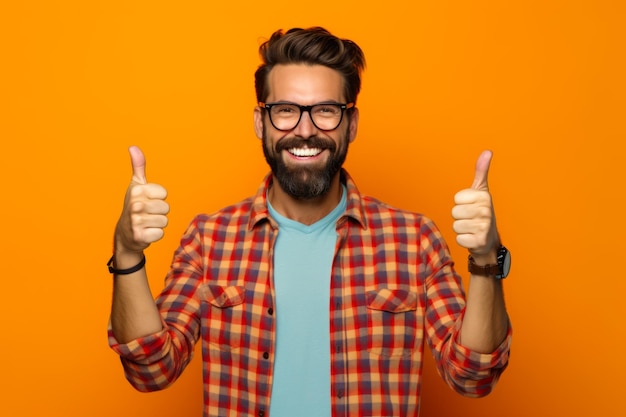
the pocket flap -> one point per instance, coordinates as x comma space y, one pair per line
223, 297
393, 301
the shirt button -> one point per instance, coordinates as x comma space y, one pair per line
266, 355
261, 413
340, 393
270, 311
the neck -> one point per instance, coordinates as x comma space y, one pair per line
305, 211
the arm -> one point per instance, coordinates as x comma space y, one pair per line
467, 371
485, 323
134, 313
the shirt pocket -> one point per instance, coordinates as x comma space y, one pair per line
391, 322
224, 316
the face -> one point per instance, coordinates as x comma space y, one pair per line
305, 160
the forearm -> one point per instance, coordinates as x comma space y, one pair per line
485, 322
469, 353
133, 313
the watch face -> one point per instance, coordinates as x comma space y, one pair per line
504, 260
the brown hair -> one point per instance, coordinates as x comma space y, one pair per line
313, 46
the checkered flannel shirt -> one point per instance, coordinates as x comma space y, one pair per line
393, 287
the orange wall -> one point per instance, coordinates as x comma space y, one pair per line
541, 83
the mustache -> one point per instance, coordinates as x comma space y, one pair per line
312, 142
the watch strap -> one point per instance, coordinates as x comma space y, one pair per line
490, 270
500, 270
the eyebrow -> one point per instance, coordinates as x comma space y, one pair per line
298, 104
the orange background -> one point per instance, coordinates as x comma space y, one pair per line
541, 83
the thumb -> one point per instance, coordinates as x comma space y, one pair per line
138, 162
482, 171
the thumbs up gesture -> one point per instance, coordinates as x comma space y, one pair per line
144, 215
474, 218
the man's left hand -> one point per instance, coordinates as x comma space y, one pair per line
474, 218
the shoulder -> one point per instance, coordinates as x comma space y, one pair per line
234, 215
377, 210
384, 218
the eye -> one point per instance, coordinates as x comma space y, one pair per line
284, 109
327, 109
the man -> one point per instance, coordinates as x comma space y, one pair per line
310, 299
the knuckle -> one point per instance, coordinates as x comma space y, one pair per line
484, 212
137, 232
136, 190
137, 206
136, 220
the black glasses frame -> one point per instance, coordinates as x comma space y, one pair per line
342, 106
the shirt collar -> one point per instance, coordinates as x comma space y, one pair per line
354, 204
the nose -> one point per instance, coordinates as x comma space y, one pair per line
305, 127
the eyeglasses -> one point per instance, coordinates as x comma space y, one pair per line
325, 116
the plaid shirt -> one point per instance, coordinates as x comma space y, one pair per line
393, 287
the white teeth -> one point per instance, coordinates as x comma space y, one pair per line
305, 151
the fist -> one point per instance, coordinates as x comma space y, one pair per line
144, 215
474, 218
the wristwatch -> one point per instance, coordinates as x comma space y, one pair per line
499, 271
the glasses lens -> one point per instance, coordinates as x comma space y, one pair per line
326, 116
284, 116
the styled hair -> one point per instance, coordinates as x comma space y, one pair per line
312, 46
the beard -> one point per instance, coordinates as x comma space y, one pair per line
305, 183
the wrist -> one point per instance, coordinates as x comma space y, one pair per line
498, 267
123, 259
116, 270
489, 258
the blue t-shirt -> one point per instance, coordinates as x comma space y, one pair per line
303, 258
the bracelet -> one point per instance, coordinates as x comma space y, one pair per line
130, 270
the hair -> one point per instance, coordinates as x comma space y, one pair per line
312, 46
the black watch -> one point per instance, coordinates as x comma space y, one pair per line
498, 271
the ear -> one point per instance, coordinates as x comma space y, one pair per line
354, 124
258, 122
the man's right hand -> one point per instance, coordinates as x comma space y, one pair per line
145, 211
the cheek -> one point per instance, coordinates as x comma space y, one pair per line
271, 136
345, 139
268, 141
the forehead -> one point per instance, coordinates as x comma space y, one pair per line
304, 84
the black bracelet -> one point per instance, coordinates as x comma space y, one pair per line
130, 270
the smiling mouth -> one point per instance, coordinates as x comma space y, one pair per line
305, 152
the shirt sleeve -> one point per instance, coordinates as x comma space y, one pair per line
155, 361
469, 373
472, 373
